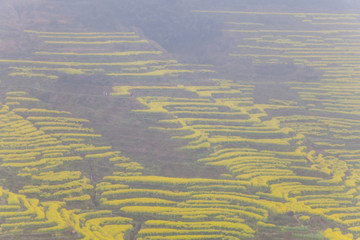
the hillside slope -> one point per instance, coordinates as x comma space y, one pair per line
107, 134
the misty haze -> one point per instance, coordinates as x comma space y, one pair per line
179, 120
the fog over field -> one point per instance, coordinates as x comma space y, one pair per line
199, 119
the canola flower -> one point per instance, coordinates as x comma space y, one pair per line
95, 42
125, 53
79, 33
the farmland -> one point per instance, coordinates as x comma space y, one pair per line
106, 135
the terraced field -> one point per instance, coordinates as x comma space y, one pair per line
113, 54
290, 166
